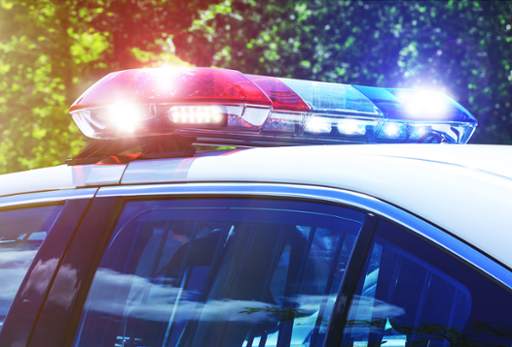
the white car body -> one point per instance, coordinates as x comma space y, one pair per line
465, 190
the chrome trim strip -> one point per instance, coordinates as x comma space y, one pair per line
339, 196
44, 197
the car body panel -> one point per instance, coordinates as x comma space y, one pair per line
60, 177
47, 197
489, 159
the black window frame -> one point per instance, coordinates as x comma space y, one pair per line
27, 304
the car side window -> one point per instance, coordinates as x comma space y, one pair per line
21, 233
219, 273
413, 294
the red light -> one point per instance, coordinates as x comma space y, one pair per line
172, 86
282, 96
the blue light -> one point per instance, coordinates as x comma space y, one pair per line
420, 130
393, 131
424, 104
417, 105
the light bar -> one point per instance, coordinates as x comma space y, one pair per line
218, 106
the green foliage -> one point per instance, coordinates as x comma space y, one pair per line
51, 51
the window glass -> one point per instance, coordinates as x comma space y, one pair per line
21, 233
219, 273
411, 293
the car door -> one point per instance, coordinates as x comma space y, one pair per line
254, 265
34, 231
195, 260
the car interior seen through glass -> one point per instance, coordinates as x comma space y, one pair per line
21, 233
219, 273
403, 298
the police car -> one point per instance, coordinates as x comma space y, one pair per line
142, 239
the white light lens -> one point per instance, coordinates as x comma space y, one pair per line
283, 122
393, 131
352, 127
217, 116
196, 114
124, 116
419, 131
318, 125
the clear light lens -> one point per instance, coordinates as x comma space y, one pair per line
420, 130
332, 97
196, 114
352, 126
393, 131
319, 125
124, 116
284, 122
249, 118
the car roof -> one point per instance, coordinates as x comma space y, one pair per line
465, 189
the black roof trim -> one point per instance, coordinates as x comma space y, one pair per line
123, 151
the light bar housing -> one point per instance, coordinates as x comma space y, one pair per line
217, 106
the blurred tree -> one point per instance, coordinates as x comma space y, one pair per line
51, 51
460, 47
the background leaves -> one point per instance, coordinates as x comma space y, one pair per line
51, 51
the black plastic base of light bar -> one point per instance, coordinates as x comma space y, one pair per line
123, 151
260, 140
210, 138
270, 141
